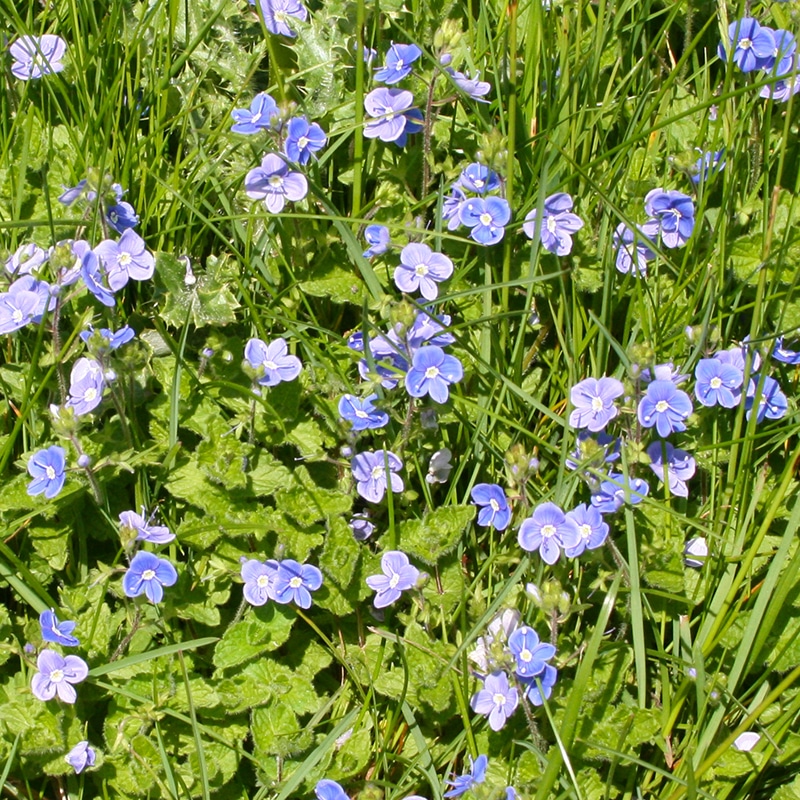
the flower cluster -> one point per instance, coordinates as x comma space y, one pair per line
473, 203
285, 581
513, 663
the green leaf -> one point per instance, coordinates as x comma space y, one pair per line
199, 296
436, 534
264, 630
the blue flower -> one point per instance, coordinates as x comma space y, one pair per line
105, 340
497, 700
432, 371
274, 183
486, 218
463, 783
679, 466
546, 681
397, 64
370, 473
665, 406
784, 354
148, 574
398, 576
479, 179
258, 117
278, 13
25, 259
377, 237
56, 675
46, 467
361, 526
634, 248
125, 260
94, 274
772, 402
591, 526
610, 496
393, 118
751, 44
472, 87
558, 224
674, 212
157, 534
494, 511
451, 207
548, 530
122, 216
707, 165
258, 577
35, 56
18, 309
302, 139
86, 386
294, 582
72, 193
327, 789
272, 362
55, 631
717, 383
593, 400
421, 270
80, 757
529, 653
361, 413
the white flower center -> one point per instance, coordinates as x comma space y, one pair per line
548, 530
662, 406
432, 372
586, 530
90, 394
124, 259
148, 574
526, 654
302, 142
478, 182
270, 365
485, 218
50, 472
499, 699
262, 581
276, 181
421, 269
17, 315
56, 676
495, 505
361, 414
296, 581
377, 472
597, 404
394, 580
552, 224
715, 382
745, 44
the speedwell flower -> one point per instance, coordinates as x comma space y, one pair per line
530, 654
432, 371
274, 183
664, 406
591, 526
148, 574
370, 474
377, 237
674, 212
57, 632
491, 500
610, 495
463, 783
56, 675
593, 400
302, 139
86, 385
549, 531
486, 218
80, 757
125, 260
398, 576
35, 56
422, 270
772, 402
717, 383
277, 15
272, 361
393, 118
750, 45
293, 583
46, 467
633, 247
558, 224
497, 700
472, 87
361, 412
136, 523
258, 117
678, 465
258, 577
397, 64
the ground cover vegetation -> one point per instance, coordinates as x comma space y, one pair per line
399, 399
